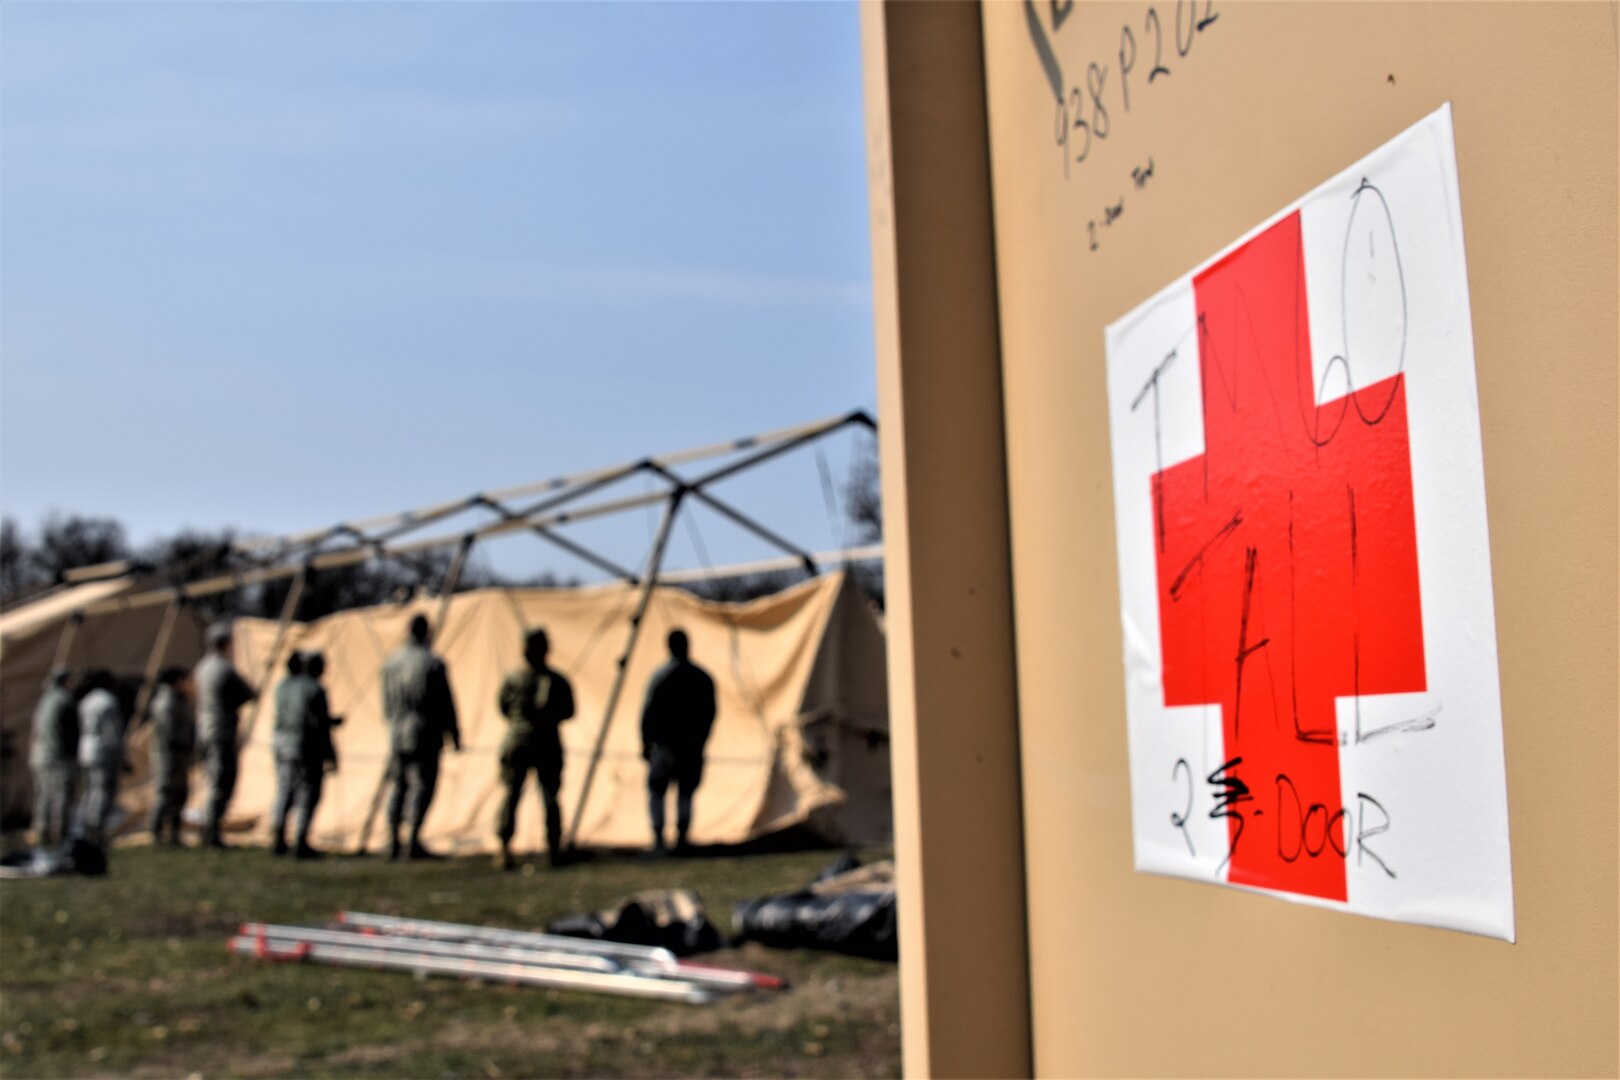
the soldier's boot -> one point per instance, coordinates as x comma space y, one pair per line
556, 854
305, 851
417, 851
394, 850
503, 858
280, 847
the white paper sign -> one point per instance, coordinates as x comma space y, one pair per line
1305, 579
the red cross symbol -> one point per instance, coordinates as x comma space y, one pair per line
1287, 566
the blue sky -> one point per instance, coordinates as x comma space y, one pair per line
275, 265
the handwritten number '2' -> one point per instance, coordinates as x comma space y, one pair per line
1180, 820
1158, 44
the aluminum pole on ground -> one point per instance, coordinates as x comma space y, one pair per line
646, 959
465, 950
447, 931
493, 971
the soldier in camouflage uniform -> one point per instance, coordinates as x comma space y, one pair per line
300, 740
421, 714
221, 691
534, 699
174, 741
101, 754
53, 757
321, 746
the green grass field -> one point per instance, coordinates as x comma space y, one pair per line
128, 975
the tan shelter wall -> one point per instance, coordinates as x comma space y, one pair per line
1132, 974
120, 641
801, 732
959, 868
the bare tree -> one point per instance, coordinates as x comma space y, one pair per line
71, 541
19, 575
863, 495
863, 502
381, 581
192, 554
745, 587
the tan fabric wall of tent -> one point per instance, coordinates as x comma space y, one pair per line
801, 736
120, 641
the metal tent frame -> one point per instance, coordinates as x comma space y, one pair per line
349, 543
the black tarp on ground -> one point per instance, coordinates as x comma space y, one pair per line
848, 909
671, 919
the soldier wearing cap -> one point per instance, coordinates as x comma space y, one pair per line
174, 741
675, 725
534, 699
303, 749
319, 745
421, 714
101, 753
53, 757
221, 691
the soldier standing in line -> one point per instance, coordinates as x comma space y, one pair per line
675, 725
101, 754
53, 757
421, 714
320, 746
292, 703
174, 741
303, 747
534, 699
221, 691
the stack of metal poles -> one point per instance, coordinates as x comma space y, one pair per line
517, 957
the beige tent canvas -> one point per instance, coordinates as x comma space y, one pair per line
119, 640
801, 737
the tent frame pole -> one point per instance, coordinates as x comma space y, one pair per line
288, 610
695, 489
367, 548
392, 526
452, 578
805, 558
780, 448
154, 661
64, 644
577, 550
660, 544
